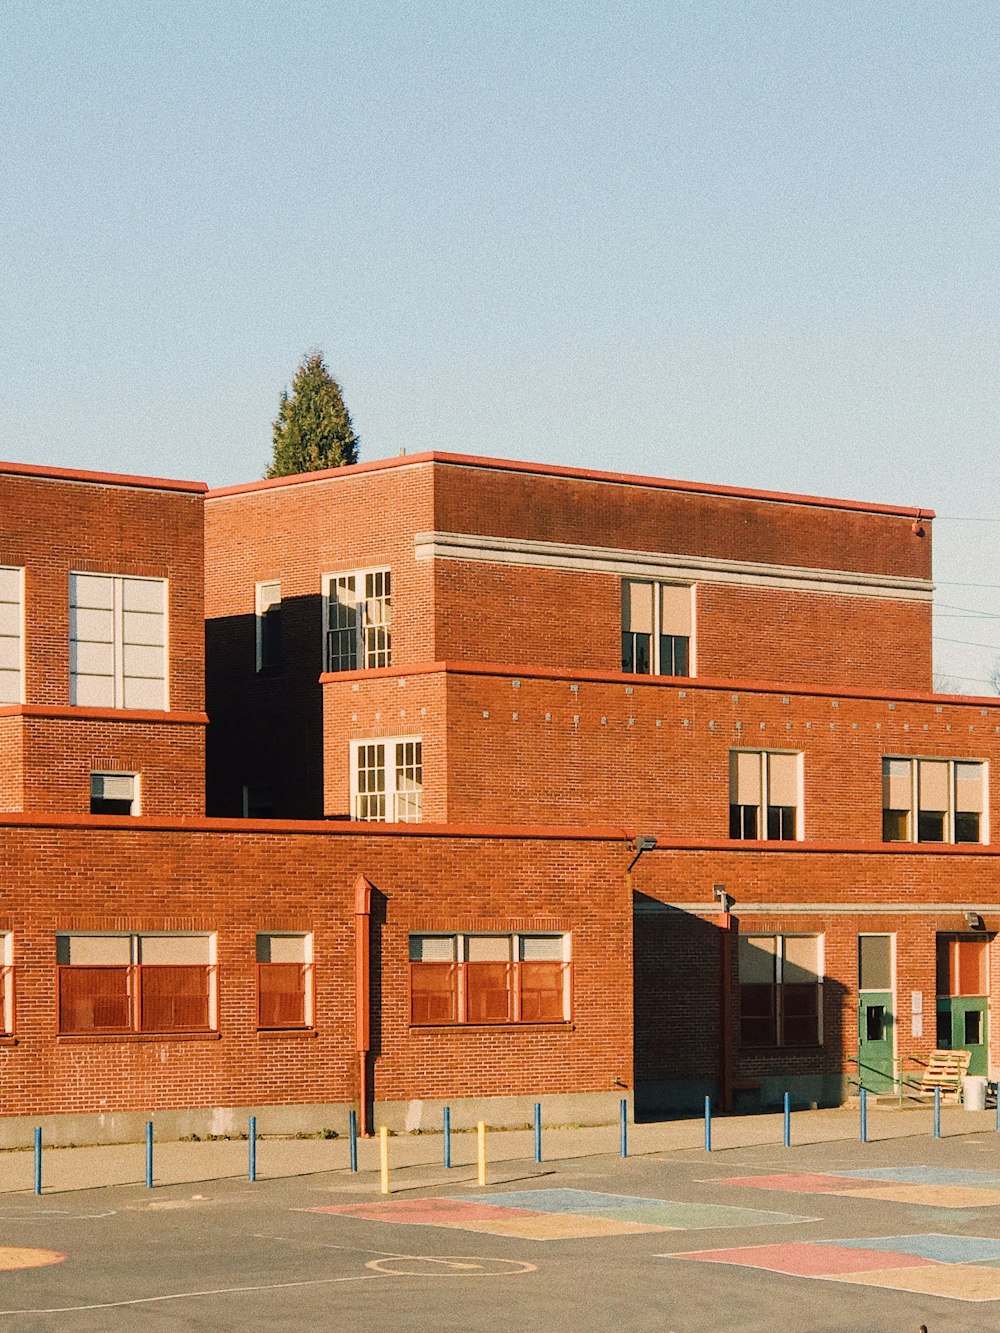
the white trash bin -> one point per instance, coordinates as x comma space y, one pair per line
974, 1093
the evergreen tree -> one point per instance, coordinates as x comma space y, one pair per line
313, 429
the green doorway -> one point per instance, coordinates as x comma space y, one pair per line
876, 1013
962, 1004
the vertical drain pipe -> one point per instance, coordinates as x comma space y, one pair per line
362, 994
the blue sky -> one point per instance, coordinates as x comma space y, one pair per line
745, 243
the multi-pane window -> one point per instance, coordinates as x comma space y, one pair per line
933, 800
114, 793
268, 622
656, 628
136, 983
781, 990
489, 979
358, 620
6, 984
764, 795
387, 780
284, 981
11, 635
118, 641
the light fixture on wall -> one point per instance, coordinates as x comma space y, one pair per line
974, 921
639, 845
724, 899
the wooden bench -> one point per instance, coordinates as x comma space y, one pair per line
944, 1070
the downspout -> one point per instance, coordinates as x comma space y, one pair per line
362, 993
725, 1027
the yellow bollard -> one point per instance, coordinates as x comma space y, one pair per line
481, 1132
383, 1157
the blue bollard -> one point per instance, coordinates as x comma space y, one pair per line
708, 1124
447, 1136
149, 1154
538, 1131
353, 1131
998, 1108
864, 1115
788, 1119
252, 1171
624, 1128
937, 1113
38, 1159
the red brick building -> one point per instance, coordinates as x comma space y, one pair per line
446, 696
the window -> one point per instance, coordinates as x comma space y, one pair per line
11, 636
656, 628
118, 638
489, 979
962, 966
268, 626
136, 983
933, 800
114, 793
387, 780
258, 801
6, 985
764, 800
781, 990
284, 981
358, 620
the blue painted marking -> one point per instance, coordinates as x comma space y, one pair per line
943, 1249
926, 1175
567, 1201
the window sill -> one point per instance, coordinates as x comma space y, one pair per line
564, 1025
266, 1034
82, 1038
8, 1040
780, 1050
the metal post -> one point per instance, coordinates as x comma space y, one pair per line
864, 1115
998, 1107
252, 1172
538, 1131
353, 1124
481, 1135
937, 1113
38, 1159
623, 1145
708, 1124
383, 1158
788, 1119
447, 1136
149, 1154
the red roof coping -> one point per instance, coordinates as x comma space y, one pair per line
691, 683
82, 713
572, 473
101, 478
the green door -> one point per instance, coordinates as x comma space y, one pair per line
875, 1040
962, 1027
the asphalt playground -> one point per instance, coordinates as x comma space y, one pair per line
886, 1236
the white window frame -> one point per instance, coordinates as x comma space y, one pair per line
117, 642
394, 796
6, 983
367, 651
913, 813
460, 956
309, 988
114, 773
19, 637
779, 985
657, 585
765, 784
259, 612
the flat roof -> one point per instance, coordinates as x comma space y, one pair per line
568, 473
101, 478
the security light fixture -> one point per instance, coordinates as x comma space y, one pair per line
974, 921
724, 899
643, 843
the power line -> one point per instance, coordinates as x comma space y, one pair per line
968, 643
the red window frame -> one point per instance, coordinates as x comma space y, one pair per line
284, 1008
467, 994
184, 1009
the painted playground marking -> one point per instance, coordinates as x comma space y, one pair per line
929, 1186
959, 1268
559, 1214
16, 1256
426, 1266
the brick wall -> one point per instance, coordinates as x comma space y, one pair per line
236, 883
544, 749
